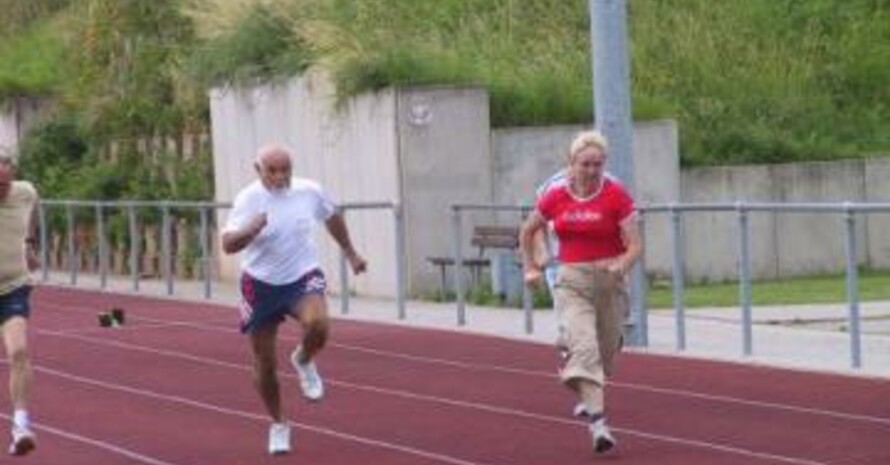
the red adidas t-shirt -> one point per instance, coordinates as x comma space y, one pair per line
588, 229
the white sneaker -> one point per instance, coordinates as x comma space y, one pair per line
603, 441
23, 440
310, 381
279, 438
580, 411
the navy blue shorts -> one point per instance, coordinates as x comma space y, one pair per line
15, 303
264, 304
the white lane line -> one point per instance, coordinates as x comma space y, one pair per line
126, 328
459, 403
251, 416
548, 375
107, 446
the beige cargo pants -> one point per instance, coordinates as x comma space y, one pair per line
592, 304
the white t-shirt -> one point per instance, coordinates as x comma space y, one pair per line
285, 249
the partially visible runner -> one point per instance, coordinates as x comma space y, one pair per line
546, 243
272, 221
18, 256
594, 220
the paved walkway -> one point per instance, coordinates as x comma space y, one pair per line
811, 337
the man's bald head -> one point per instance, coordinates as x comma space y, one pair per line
273, 166
272, 153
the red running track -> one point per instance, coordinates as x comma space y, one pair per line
173, 387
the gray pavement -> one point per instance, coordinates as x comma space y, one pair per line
808, 337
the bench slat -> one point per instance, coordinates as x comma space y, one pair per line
448, 261
503, 237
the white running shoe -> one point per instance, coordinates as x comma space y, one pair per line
603, 441
580, 411
310, 381
279, 438
23, 440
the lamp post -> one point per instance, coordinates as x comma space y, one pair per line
613, 117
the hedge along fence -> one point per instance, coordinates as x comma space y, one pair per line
163, 239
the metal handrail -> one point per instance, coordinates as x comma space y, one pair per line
848, 211
204, 209
742, 209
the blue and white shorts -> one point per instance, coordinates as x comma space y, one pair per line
15, 303
264, 304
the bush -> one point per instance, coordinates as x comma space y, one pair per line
259, 46
51, 152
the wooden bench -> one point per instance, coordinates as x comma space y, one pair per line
484, 237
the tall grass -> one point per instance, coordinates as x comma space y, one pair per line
768, 80
18, 15
748, 80
31, 62
526, 52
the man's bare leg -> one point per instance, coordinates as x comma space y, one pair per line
265, 369
15, 341
313, 315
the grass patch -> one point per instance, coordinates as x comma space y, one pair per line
873, 285
30, 61
754, 81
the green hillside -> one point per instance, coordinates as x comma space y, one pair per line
747, 80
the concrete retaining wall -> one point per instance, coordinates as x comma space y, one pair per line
424, 147
786, 244
431, 147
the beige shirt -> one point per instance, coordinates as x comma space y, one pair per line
15, 215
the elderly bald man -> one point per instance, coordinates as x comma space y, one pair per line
272, 222
18, 256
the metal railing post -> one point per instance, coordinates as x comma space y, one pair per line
166, 246
205, 252
745, 278
528, 310
44, 243
134, 245
458, 268
639, 331
103, 246
73, 262
528, 303
398, 216
678, 277
853, 288
344, 275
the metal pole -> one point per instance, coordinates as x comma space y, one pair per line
745, 279
638, 333
612, 106
44, 255
677, 277
72, 255
458, 268
166, 246
344, 276
103, 246
853, 290
205, 253
528, 310
134, 246
527, 296
399, 218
